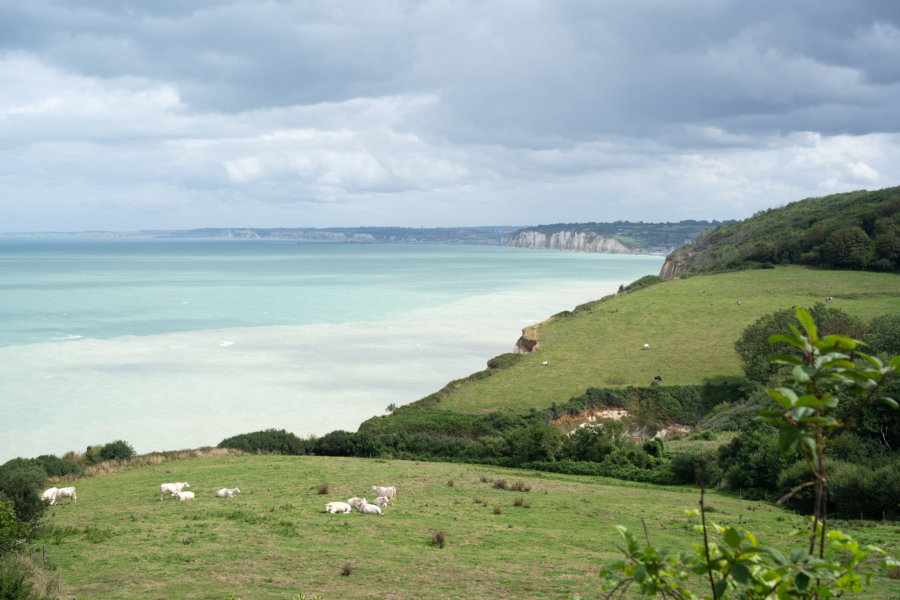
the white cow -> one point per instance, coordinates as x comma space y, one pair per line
381, 502
646, 346
68, 492
388, 492
50, 495
369, 509
184, 495
172, 488
227, 492
338, 508
355, 502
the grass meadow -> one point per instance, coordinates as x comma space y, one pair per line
691, 326
273, 541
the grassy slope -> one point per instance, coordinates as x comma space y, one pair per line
691, 325
274, 541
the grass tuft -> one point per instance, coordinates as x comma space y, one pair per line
439, 539
500, 484
346, 570
322, 488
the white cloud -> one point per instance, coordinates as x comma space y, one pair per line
438, 113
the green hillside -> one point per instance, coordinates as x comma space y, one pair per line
273, 541
690, 324
855, 230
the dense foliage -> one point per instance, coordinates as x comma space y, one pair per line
755, 350
856, 230
829, 564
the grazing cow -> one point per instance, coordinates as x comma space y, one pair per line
388, 492
50, 495
184, 495
646, 346
369, 509
172, 488
227, 492
338, 508
68, 492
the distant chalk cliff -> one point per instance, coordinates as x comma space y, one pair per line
582, 241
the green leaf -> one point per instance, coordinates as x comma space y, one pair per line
786, 339
807, 321
777, 556
801, 581
732, 537
887, 400
741, 574
640, 574
799, 374
788, 439
720, 587
809, 442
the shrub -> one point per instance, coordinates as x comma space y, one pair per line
439, 539
11, 528
57, 467
278, 441
883, 335
687, 467
117, 450
500, 484
322, 488
22, 485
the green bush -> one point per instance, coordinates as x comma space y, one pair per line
117, 450
22, 485
11, 528
504, 361
57, 467
696, 468
276, 441
754, 348
883, 335
854, 490
751, 461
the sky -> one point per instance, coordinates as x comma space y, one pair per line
177, 114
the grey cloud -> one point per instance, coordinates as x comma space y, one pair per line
417, 111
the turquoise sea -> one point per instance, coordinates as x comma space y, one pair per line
179, 344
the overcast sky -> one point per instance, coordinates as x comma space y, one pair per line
179, 114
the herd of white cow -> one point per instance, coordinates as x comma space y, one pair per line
385, 495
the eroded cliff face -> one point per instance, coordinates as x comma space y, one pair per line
566, 240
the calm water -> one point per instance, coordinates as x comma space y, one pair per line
171, 344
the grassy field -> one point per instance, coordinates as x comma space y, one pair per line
690, 324
274, 540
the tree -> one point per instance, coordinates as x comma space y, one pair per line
117, 450
754, 348
849, 248
802, 405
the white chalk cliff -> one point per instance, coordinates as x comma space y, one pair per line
583, 241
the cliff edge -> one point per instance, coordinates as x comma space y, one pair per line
583, 241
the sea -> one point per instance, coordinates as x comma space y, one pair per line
179, 344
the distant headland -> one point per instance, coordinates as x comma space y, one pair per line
620, 237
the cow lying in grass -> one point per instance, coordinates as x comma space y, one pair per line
172, 488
